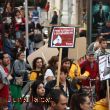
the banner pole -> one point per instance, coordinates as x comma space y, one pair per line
59, 67
108, 94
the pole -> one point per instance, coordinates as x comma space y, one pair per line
108, 94
60, 51
89, 22
59, 67
26, 23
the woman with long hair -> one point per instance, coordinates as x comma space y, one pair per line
38, 69
50, 73
80, 101
37, 99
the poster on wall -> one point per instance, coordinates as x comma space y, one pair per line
100, 14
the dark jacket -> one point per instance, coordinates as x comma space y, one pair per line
35, 106
54, 19
51, 84
106, 30
8, 46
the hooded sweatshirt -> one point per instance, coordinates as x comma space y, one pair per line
101, 105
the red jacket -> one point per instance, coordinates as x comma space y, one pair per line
47, 6
94, 71
4, 92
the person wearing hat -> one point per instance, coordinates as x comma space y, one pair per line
90, 66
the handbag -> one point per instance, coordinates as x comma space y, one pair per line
19, 81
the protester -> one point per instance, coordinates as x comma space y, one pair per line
66, 63
50, 73
102, 104
7, 15
4, 81
22, 12
76, 76
64, 84
54, 18
20, 70
73, 75
38, 36
8, 10
38, 69
18, 23
35, 16
80, 102
102, 49
22, 27
37, 95
19, 46
90, 67
95, 45
8, 45
58, 100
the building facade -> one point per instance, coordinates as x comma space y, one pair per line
69, 11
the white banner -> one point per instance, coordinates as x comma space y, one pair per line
104, 67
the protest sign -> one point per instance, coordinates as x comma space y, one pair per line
104, 70
62, 37
45, 52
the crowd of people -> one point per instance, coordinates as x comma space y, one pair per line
74, 91
12, 29
79, 87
